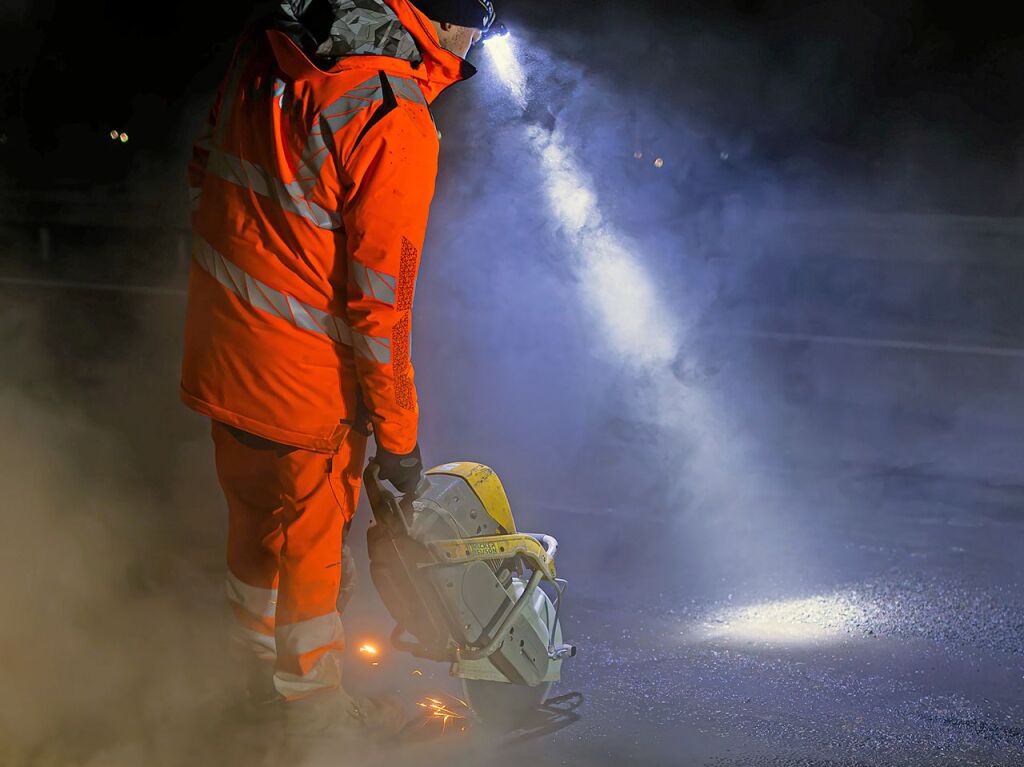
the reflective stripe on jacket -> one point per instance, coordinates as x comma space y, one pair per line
311, 192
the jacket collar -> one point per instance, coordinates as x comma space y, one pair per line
437, 69
440, 67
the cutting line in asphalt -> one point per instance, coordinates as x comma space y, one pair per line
893, 344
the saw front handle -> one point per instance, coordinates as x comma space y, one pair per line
538, 550
385, 505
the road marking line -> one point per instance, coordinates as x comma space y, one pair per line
109, 287
876, 343
765, 335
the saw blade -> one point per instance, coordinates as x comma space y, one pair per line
503, 705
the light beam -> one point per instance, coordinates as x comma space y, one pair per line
635, 324
503, 55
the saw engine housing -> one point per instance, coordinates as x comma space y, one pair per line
462, 584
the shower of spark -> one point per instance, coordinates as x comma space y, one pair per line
437, 710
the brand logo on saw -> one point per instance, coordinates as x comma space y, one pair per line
481, 549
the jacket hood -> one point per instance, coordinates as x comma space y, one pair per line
333, 35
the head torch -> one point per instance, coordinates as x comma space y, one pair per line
494, 31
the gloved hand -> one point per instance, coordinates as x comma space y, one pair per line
405, 472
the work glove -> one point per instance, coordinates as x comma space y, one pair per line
405, 472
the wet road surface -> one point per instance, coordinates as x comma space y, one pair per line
835, 581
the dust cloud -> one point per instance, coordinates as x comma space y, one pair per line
113, 631
114, 635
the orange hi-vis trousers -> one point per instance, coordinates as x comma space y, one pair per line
287, 510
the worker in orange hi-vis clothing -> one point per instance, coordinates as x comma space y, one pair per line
311, 190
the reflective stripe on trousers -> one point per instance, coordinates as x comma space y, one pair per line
259, 602
309, 655
286, 517
265, 298
300, 649
253, 610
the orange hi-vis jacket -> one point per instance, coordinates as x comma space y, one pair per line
311, 192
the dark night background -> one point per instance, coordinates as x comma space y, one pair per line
768, 393
74, 71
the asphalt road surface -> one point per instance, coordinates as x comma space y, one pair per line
828, 571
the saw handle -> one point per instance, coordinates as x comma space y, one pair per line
549, 542
377, 494
385, 505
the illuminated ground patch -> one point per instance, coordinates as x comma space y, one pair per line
811, 620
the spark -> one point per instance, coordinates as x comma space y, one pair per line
114, 134
638, 155
438, 709
369, 650
123, 137
417, 672
659, 162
